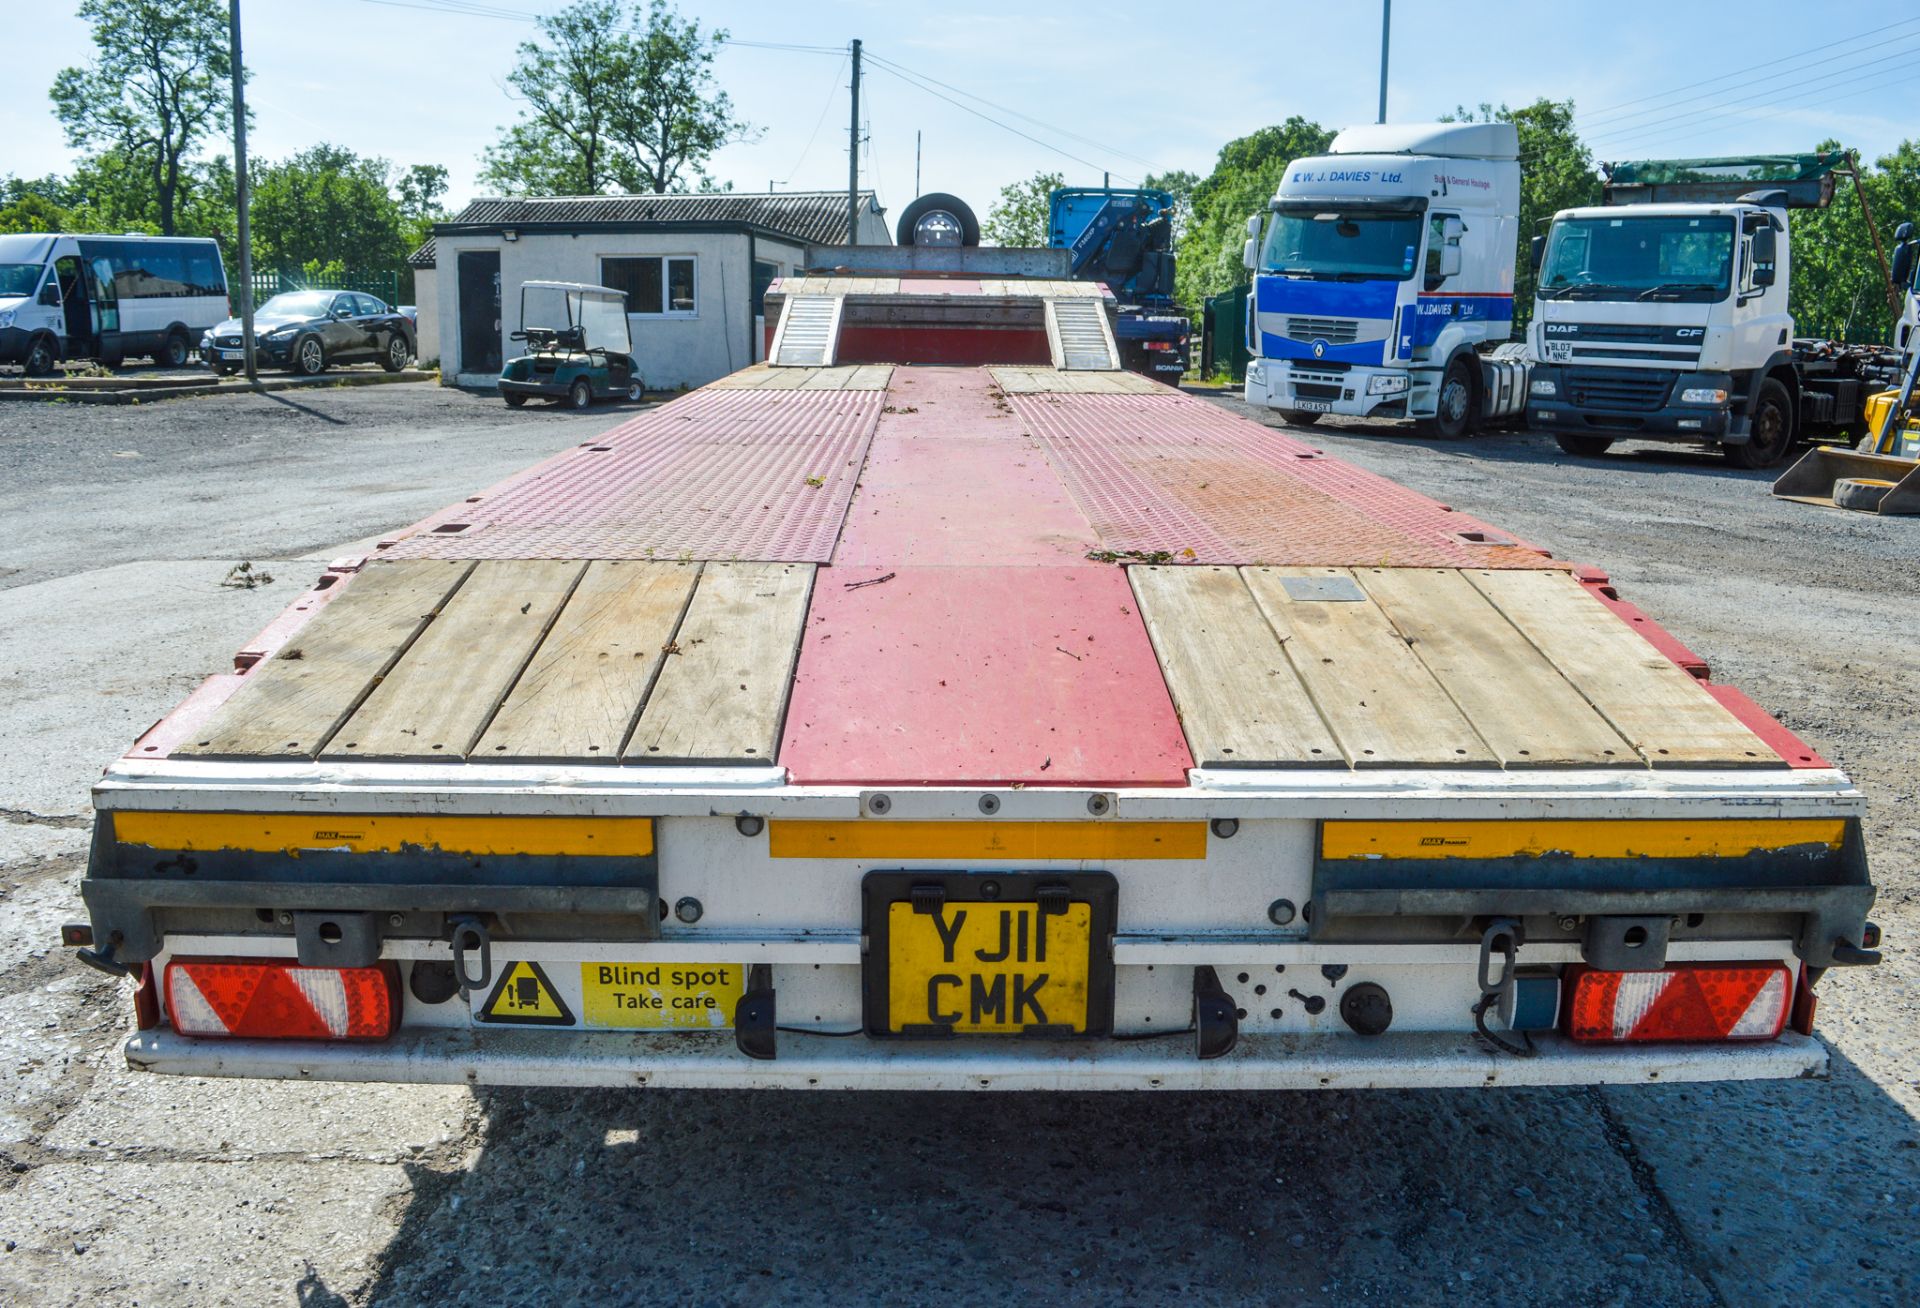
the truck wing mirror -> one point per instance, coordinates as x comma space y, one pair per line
1903, 233
50, 295
1536, 252
1450, 260
1253, 226
1452, 228
1764, 252
1250, 254
1903, 263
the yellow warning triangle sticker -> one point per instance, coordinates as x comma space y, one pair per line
525, 996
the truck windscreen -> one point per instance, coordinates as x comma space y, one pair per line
19, 278
1665, 257
1355, 244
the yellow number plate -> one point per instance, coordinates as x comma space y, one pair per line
988, 968
660, 996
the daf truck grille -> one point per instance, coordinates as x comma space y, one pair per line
1334, 331
1629, 390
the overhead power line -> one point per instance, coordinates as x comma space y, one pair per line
1606, 111
1884, 80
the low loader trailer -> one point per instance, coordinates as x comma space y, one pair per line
940, 706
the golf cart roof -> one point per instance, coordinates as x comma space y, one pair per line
572, 286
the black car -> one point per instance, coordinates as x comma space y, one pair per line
304, 331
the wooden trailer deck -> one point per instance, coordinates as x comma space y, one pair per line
968, 575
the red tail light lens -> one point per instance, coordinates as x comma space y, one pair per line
1690, 1001
273, 1000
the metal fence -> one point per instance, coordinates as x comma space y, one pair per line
386, 285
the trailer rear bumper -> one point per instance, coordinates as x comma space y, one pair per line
702, 1060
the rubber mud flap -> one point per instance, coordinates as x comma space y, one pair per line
1216, 1023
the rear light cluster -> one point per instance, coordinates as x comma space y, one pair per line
1691, 1001
276, 1000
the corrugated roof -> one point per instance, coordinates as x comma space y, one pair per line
816, 217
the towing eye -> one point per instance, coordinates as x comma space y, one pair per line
465, 933
1503, 936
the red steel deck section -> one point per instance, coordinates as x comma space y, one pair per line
1168, 474
980, 676
952, 477
747, 474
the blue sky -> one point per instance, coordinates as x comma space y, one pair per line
1125, 90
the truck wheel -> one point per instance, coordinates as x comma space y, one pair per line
42, 354
1453, 407
1772, 430
173, 351
1299, 417
945, 217
580, 394
1862, 494
1585, 447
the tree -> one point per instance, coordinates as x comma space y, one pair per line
567, 82
419, 190
158, 87
33, 213
613, 98
1019, 216
667, 117
1556, 172
1243, 180
326, 204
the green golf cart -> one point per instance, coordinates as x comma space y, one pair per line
578, 347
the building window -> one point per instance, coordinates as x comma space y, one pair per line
654, 284
765, 272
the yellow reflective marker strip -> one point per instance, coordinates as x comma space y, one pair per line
996, 840
291, 833
1661, 838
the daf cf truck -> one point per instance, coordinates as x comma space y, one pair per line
1383, 279
1663, 315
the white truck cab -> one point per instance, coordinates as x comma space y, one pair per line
1383, 272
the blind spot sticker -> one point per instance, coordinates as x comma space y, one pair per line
525, 997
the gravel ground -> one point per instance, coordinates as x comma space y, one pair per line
155, 1190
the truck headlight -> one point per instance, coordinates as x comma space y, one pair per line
1702, 395
1543, 386
1387, 383
6, 317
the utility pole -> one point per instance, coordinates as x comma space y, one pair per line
916, 165
853, 155
1386, 31
241, 193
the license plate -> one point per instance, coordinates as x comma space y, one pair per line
1559, 351
232, 354
989, 954
1313, 406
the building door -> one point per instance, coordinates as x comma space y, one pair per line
480, 311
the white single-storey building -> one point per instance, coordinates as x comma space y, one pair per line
694, 267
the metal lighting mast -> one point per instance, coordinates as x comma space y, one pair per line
1386, 31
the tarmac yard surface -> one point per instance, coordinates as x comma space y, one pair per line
123, 523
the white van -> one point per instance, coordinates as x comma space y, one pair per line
107, 297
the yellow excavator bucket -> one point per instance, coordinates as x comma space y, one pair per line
1883, 476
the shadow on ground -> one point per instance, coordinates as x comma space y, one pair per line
1508, 1196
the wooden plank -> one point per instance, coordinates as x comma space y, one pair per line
1529, 715
1385, 708
583, 688
441, 695
290, 705
1241, 702
723, 690
1661, 709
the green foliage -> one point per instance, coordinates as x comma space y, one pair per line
1019, 217
157, 88
1837, 286
33, 213
326, 204
1243, 180
1556, 172
614, 98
